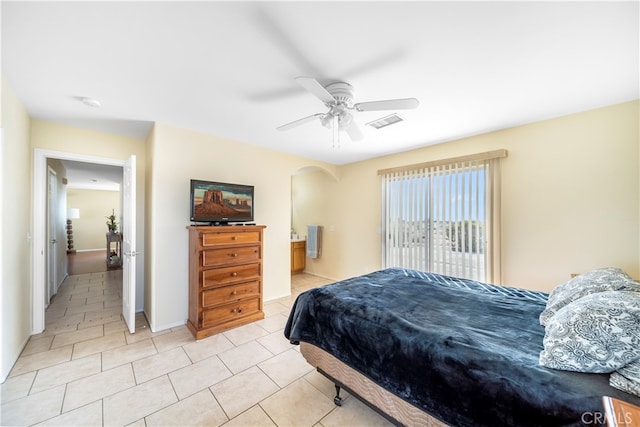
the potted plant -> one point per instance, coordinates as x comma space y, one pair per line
111, 222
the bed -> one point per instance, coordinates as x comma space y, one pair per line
428, 349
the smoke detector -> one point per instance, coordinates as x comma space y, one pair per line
90, 102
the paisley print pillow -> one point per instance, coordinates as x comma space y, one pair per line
598, 333
627, 378
600, 280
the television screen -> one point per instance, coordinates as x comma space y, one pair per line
221, 203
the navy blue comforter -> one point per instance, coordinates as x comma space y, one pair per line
463, 351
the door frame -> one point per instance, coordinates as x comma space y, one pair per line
39, 225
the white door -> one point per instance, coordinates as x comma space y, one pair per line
129, 244
52, 234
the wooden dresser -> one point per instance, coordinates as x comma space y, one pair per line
225, 278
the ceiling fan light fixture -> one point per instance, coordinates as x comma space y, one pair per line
344, 118
327, 121
385, 121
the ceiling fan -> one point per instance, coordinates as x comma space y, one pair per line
338, 98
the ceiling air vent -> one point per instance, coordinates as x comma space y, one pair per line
385, 121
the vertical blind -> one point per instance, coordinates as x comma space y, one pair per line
442, 217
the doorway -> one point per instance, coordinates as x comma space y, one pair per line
313, 191
40, 237
93, 193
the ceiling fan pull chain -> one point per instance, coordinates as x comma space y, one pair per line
336, 131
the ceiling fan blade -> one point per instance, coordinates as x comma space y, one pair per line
389, 104
353, 131
299, 122
313, 86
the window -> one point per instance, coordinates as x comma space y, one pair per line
443, 217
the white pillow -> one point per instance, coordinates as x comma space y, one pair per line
600, 280
597, 333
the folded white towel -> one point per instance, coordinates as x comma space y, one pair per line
313, 238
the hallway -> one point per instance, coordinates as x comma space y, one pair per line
87, 262
86, 369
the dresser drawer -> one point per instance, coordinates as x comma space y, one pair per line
213, 239
222, 256
225, 275
230, 293
225, 313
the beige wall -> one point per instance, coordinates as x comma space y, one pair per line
15, 215
570, 198
216, 159
90, 229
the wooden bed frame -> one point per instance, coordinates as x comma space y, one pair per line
397, 410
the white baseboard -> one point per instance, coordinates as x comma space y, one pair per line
275, 298
320, 275
60, 284
4, 375
155, 328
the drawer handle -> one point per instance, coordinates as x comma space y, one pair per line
234, 274
234, 293
234, 254
234, 237
237, 310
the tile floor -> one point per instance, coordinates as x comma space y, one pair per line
87, 370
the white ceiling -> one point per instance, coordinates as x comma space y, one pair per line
93, 176
228, 68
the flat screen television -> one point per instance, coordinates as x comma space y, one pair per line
220, 203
